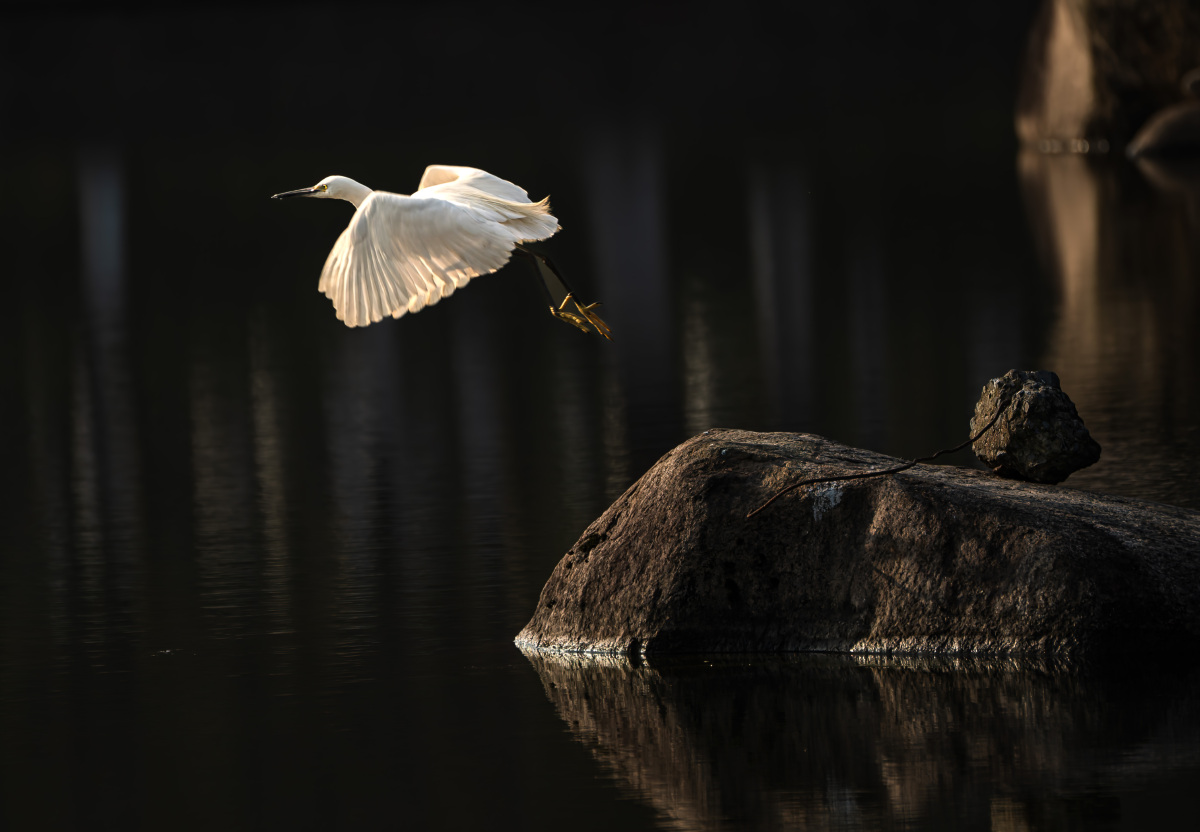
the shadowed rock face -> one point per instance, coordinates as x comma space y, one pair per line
831, 742
933, 560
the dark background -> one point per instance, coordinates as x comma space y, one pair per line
260, 570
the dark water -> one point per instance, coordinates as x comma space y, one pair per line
258, 570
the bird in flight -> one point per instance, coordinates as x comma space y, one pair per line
402, 253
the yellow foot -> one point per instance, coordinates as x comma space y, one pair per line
570, 317
586, 316
592, 318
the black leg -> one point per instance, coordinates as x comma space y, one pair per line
553, 285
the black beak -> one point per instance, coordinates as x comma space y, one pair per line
298, 192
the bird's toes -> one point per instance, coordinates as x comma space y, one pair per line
594, 319
570, 317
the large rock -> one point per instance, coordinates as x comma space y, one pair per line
933, 560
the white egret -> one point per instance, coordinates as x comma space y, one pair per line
402, 253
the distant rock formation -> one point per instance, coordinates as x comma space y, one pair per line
1097, 70
933, 560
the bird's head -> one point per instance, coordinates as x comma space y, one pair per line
332, 187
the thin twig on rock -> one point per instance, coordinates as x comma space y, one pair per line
897, 469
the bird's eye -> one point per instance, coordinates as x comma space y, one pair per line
324, 187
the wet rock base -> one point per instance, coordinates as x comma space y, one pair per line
935, 560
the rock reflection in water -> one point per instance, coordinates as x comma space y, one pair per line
1120, 244
820, 742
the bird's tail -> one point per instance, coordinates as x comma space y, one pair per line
528, 221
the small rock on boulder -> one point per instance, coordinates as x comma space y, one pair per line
1039, 437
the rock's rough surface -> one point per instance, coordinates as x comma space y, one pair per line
1040, 437
933, 560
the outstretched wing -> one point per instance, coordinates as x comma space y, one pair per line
400, 254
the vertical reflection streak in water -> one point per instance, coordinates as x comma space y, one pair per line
105, 488
624, 174
618, 457
88, 537
995, 330
573, 423
699, 372
477, 378
1123, 341
779, 213
763, 268
50, 484
102, 221
867, 291
359, 397
266, 408
1073, 204
222, 508
222, 480
422, 474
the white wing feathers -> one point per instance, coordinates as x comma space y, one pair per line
402, 253
496, 199
479, 180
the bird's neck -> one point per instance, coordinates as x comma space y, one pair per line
354, 192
